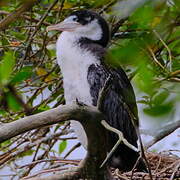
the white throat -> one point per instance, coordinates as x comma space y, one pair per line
74, 63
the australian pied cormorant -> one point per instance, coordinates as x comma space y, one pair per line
81, 48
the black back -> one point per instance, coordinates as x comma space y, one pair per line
119, 92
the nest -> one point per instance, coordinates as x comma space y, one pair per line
163, 167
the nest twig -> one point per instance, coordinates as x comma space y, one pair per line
163, 166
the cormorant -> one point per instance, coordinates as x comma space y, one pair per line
81, 50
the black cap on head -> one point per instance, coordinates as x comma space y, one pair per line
85, 16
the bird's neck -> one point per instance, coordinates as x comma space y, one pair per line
79, 50
74, 62
73, 58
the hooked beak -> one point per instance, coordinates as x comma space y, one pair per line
64, 26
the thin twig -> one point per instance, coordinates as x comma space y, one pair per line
27, 18
103, 91
60, 11
107, 6
169, 51
72, 149
116, 26
175, 170
37, 27
155, 59
121, 139
16, 14
135, 122
142, 153
135, 166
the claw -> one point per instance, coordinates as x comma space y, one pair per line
80, 103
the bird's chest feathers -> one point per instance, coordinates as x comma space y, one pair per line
74, 63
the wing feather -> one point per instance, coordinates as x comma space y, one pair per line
119, 92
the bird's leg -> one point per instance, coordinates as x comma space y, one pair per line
121, 139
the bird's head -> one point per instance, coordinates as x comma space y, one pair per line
85, 24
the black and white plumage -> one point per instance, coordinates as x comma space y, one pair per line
80, 54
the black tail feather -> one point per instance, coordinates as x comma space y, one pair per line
125, 158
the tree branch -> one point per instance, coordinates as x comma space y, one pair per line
89, 117
164, 131
56, 115
16, 14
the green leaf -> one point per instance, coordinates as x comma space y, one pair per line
6, 67
62, 146
27, 153
12, 102
56, 128
160, 97
18, 35
22, 75
144, 79
121, 55
41, 109
2, 112
159, 110
5, 143
51, 52
143, 16
4, 41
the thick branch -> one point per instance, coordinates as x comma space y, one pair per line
56, 115
163, 132
17, 13
89, 117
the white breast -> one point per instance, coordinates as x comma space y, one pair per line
74, 63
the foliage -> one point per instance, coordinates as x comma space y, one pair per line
146, 45
62, 146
